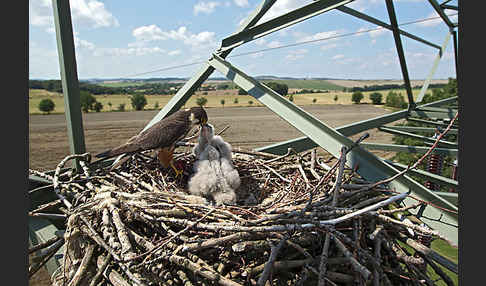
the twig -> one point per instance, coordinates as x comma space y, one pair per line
189, 226
112, 275
101, 270
356, 265
325, 247
429, 253
78, 276
33, 269
269, 264
204, 272
44, 244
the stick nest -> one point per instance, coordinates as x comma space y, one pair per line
137, 224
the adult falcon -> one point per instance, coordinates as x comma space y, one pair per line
162, 136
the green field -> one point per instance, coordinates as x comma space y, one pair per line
214, 99
291, 83
308, 84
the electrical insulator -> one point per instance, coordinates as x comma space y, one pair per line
435, 163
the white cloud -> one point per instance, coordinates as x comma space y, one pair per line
378, 33
438, 21
257, 55
260, 41
302, 37
174, 53
241, 3
281, 7
274, 44
40, 13
83, 44
89, 13
338, 57
296, 54
205, 7
148, 33
154, 33
130, 51
328, 47
195, 40
92, 13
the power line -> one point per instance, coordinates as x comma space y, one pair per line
290, 45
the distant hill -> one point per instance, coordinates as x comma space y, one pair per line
164, 85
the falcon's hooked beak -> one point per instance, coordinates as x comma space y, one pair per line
197, 121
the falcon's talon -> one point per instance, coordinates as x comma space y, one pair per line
176, 171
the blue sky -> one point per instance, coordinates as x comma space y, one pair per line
124, 38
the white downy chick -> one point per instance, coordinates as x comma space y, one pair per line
214, 173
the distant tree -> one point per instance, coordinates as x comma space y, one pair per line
281, 88
87, 100
235, 101
335, 98
222, 102
156, 105
109, 104
450, 89
222, 86
376, 97
314, 100
394, 99
291, 98
138, 101
46, 105
121, 107
201, 101
98, 106
357, 96
250, 102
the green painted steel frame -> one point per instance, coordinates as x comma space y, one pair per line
401, 53
280, 22
442, 14
437, 59
408, 148
421, 129
442, 143
431, 176
375, 21
69, 76
429, 122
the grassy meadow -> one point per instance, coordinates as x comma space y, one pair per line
214, 99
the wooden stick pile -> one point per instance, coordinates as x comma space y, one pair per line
297, 221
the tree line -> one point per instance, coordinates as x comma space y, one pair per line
96, 89
391, 86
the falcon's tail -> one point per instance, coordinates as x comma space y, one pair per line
104, 154
125, 148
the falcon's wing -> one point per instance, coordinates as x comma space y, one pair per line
162, 134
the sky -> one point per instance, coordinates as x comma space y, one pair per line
131, 39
